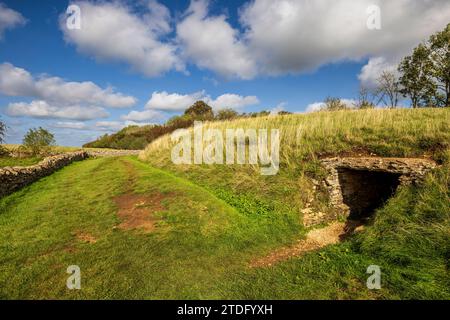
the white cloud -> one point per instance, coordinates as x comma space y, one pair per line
280, 107
9, 19
139, 116
232, 101
113, 126
317, 106
179, 102
109, 125
273, 37
112, 32
16, 81
371, 72
288, 36
211, 43
173, 101
70, 125
42, 109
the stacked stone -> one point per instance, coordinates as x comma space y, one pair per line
411, 170
113, 153
15, 178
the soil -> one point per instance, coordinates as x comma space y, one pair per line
136, 211
86, 237
315, 239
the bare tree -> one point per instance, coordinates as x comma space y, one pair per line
388, 90
365, 98
334, 104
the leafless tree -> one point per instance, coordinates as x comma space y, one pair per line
365, 99
388, 89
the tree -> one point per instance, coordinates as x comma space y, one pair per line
2, 131
3, 151
334, 104
365, 99
440, 65
200, 111
415, 80
38, 140
388, 89
226, 114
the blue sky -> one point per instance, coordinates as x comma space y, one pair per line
249, 55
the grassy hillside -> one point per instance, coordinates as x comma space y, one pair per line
131, 138
410, 228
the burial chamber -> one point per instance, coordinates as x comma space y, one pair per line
358, 186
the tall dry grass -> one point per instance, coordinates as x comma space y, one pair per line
398, 132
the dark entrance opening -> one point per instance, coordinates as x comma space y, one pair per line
364, 191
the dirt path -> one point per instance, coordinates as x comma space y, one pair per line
136, 211
315, 240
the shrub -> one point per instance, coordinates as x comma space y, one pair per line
200, 111
334, 104
226, 114
38, 140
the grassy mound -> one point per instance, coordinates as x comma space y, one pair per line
408, 238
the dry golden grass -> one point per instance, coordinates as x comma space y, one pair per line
398, 132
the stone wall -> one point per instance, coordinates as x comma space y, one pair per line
112, 153
408, 170
15, 178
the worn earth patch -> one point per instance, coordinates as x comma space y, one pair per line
85, 237
315, 239
136, 211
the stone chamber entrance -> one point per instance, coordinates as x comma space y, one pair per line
359, 186
364, 191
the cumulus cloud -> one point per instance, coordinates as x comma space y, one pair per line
212, 43
113, 126
233, 101
140, 116
371, 72
179, 102
301, 35
16, 81
9, 19
113, 32
279, 108
272, 37
42, 109
296, 36
109, 125
173, 101
70, 125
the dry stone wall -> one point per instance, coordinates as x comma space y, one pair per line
112, 153
15, 178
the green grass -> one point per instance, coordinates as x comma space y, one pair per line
199, 242
11, 161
